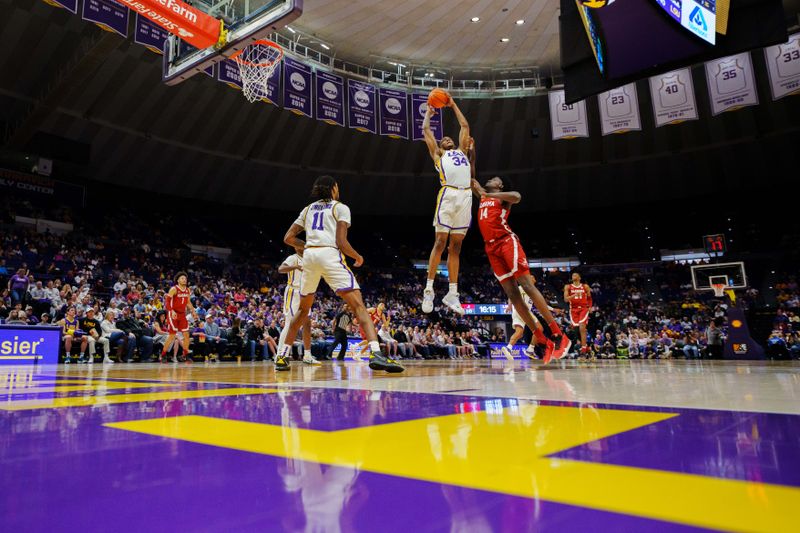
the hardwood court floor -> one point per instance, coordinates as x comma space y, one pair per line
446, 446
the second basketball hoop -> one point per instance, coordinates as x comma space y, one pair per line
257, 63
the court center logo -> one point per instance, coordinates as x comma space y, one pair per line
330, 91
361, 98
393, 106
298, 81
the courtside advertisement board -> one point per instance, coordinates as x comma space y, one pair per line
21, 345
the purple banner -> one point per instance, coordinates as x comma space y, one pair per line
109, 15
361, 106
69, 5
228, 72
297, 87
394, 113
150, 35
29, 345
330, 98
419, 106
273, 87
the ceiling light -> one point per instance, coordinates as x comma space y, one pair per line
520, 22
290, 29
475, 19
325, 46
504, 40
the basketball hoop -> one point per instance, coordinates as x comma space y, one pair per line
257, 62
719, 289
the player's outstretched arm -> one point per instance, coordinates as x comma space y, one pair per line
430, 138
471, 155
285, 268
510, 197
344, 245
477, 189
291, 236
463, 135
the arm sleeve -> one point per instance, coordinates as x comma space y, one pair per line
342, 213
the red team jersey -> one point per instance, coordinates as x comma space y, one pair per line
178, 304
505, 254
579, 307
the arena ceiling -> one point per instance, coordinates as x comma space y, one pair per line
439, 33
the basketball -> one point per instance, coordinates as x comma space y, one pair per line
438, 98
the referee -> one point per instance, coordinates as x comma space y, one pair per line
340, 325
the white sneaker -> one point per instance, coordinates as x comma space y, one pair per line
310, 360
107, 361
507, 353
452, 302
427, 301
91, 360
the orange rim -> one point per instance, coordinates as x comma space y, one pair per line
262, 42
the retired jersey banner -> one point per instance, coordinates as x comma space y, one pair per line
619, 110
150, 35
228, 72
361, 106
419, 106
297, 87
394, 113
179, 18
273, 87
330, 98
731, 84
107, 14
69, 5
673, 97
568, 121
783, 64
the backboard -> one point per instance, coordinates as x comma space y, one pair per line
732, 275
245, 21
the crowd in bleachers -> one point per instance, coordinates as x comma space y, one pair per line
114, 274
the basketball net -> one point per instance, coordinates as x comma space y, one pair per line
257, 63
719, 289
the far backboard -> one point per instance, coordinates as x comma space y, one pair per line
245, 21
733, 276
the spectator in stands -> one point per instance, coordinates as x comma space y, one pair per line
691, 346
215, 344
15, 319
117, 338
70, 332
91, 327
257, 336
38, 298
30, 317
386, 339
714, 340
142, 334
18, 286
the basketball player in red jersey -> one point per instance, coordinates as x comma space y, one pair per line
377, 317
579, 297
176, 302
509, 263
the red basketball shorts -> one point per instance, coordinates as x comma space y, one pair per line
579, 315
507, 258
177, 324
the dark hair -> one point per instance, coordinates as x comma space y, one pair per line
323, 188
179, 274
508, 185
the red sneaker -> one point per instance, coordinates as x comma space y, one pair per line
562, 347
548, 351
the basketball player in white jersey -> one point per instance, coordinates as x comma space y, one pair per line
326, 223
292, 266
518, 323
453, 206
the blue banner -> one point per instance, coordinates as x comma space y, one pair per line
297, 87
69, 5
228, 72
361, 106
330, 98
150, 35
394, 113
273, 87
487, 309
419, 106
22, 345
109, 15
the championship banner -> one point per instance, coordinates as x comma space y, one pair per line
107, 14
40, 187
361, 106
69, 5
330, 98
673, 97
783, 65
731, 84
394, 113
619, 110
568, 121
419, 106
297, 87
228, 72
149, 35
179, 18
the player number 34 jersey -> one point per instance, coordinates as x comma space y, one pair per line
319, 221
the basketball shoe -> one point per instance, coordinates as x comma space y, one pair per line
507, 353
453, 303
427, 301
281, 363
377, 361
310, 360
